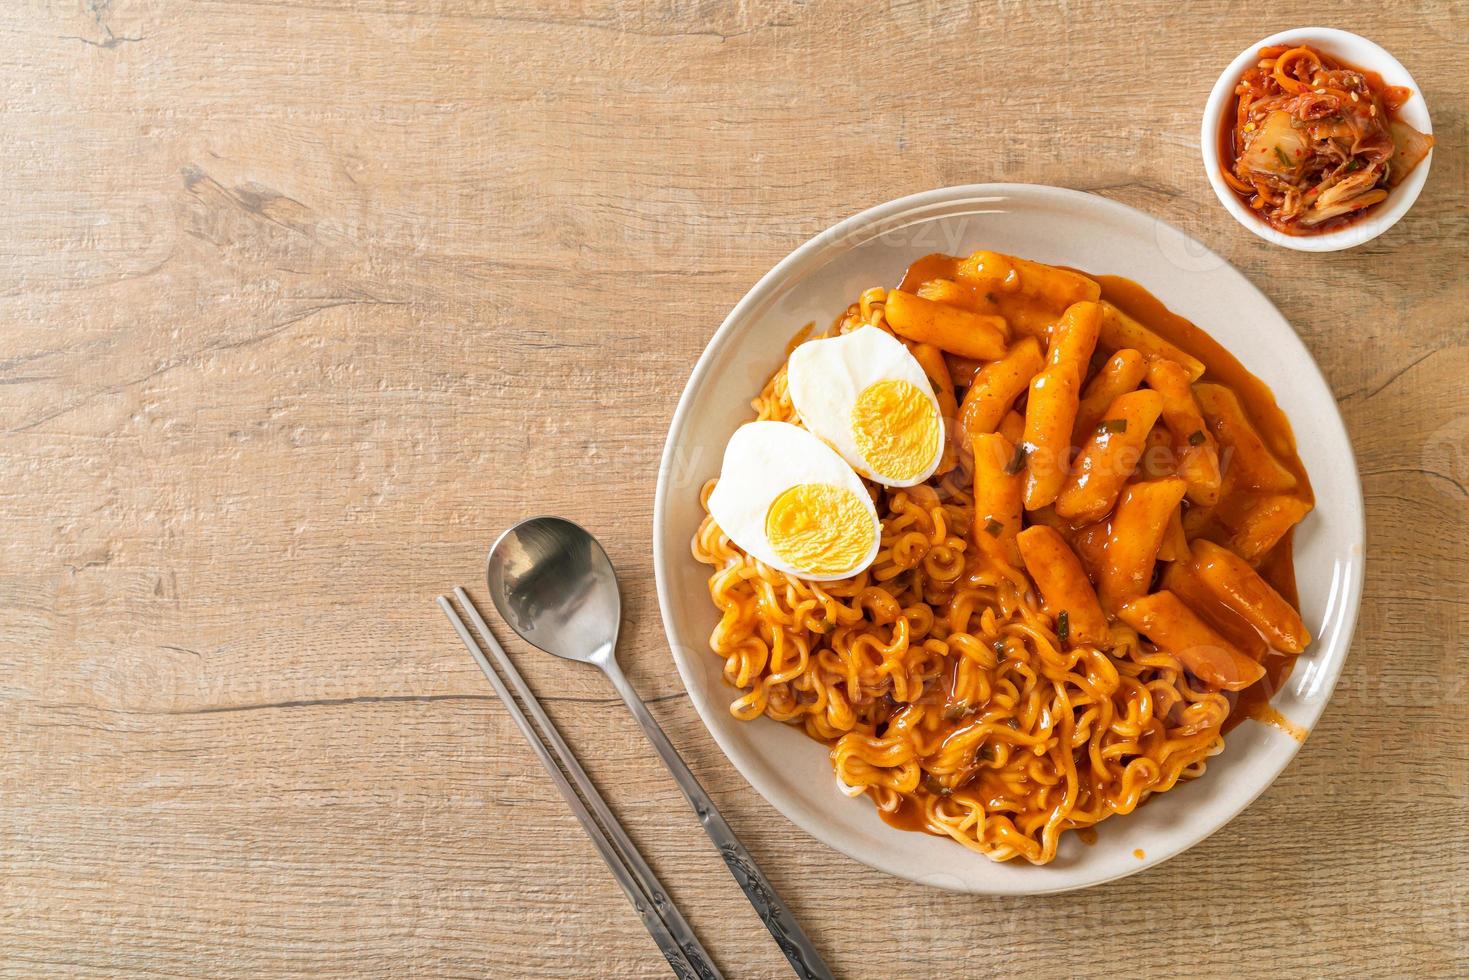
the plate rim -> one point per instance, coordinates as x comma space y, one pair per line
846, 234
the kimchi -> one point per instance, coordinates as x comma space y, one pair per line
1314, 143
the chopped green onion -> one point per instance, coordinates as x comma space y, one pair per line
1112, 425
993, 528
1000, 649
956, 711
934, 786
1063, 626
1284, 160
1016, 462
1196, 438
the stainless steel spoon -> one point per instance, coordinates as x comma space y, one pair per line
555, 586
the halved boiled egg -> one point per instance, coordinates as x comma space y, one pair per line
787, 499
867, 396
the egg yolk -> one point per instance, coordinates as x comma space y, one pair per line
896, 429
820, 529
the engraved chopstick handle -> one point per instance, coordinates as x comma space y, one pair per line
687, 959
788, 934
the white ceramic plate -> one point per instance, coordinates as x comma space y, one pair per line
817, 281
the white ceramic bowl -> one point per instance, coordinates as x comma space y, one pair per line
817, 281
1361, 53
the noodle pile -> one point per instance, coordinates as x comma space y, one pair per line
940, 684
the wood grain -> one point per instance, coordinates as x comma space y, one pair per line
303, 301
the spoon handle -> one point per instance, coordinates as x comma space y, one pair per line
789, 936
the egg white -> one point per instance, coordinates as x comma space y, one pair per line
826, 376
762, 461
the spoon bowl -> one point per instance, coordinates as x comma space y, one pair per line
555, 586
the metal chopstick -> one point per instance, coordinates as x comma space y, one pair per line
682, 932
675, 938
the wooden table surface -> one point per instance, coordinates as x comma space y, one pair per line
303, 302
